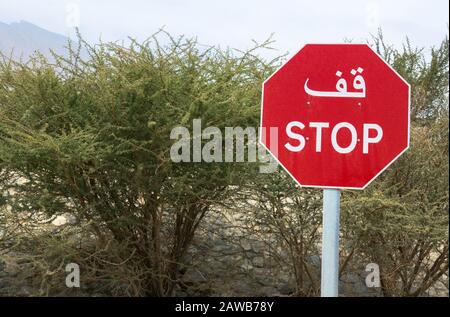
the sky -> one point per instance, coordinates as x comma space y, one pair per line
235, 23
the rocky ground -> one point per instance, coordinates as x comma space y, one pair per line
223, 261
229, 262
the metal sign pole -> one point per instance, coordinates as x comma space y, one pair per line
330, 243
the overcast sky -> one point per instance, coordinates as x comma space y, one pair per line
235, 23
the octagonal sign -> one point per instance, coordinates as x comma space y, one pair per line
340, 113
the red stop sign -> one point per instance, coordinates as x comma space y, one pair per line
341, 115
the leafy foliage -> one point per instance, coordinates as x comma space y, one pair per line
401, 221
92, 137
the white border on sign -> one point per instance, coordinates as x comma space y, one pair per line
387, 165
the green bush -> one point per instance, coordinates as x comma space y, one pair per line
92, 138
401, 221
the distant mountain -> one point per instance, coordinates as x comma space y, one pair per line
23, 38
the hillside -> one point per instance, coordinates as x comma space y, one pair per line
23, 38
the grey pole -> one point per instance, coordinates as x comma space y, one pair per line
330, 243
